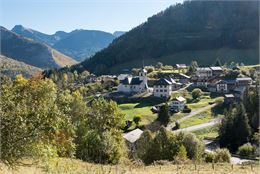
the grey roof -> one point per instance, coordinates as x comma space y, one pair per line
136, 81
216, 68
133, 135
243, 78
181, 65
203, 69
180, 99
180, 76
229, 96
126, 81
162, 81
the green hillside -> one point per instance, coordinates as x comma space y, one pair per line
194, 30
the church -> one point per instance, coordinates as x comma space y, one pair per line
136, 84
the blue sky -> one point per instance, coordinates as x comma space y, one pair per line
49, 16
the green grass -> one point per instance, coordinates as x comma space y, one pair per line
204, 101
200, 118
136, 109
208, 132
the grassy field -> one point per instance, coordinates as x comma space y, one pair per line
138, 109
71, 166
208, 132
200, 118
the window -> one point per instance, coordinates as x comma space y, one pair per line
165, 90
161, 90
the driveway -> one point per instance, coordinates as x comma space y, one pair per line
199, 126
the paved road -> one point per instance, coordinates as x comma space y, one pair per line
200, 126
194, 112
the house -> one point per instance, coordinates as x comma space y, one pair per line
229, 98
204, 72
175, 85
131, 138
216, 70
134, 84
181, 66
162, 87
177, 104
231, 84
244, 81
121, 77
181, 78
199, 81
91, 78
222, 86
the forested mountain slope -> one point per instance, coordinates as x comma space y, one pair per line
194, 30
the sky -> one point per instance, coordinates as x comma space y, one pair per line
49, 16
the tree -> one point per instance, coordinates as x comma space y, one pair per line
143, 144
164, 115
31, 121
159, 65
99, 137
196, 93
193, 67
137, 120
234, 130
218, 63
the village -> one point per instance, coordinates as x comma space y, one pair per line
141, 95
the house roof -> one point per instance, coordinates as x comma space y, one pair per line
133, 135
203, 69
170, 79
180, 99
243, 78
216, 68
126, 81
180, 76
136, 81
181, 65
229, 96
162, 81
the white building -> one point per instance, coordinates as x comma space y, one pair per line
178, 104
162, 87
204, 72
134, 84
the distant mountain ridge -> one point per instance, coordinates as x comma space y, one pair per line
195, 30
78, 44
31, 52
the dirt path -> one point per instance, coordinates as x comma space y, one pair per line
194, 112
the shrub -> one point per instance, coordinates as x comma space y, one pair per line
196, 93
177, 125
209, 157
246, 150
222, 155
137, 120
186, 109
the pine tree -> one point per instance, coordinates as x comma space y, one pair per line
164, 115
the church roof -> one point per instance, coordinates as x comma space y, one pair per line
136, 81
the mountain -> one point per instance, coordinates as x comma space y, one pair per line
31, 52
78, 44
81, 44
118, 33
195, 30
11, 68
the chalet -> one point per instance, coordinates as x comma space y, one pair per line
229, 98
134, 84
163, 87
181, 78
131, 138
199, 81
244, 81
121, 77
204, 72
177, 104
216, 70
221, 86
91, 78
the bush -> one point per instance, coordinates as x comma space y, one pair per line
196, 93
222, 155
246, 150
209, 157
137, 120
186, 109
